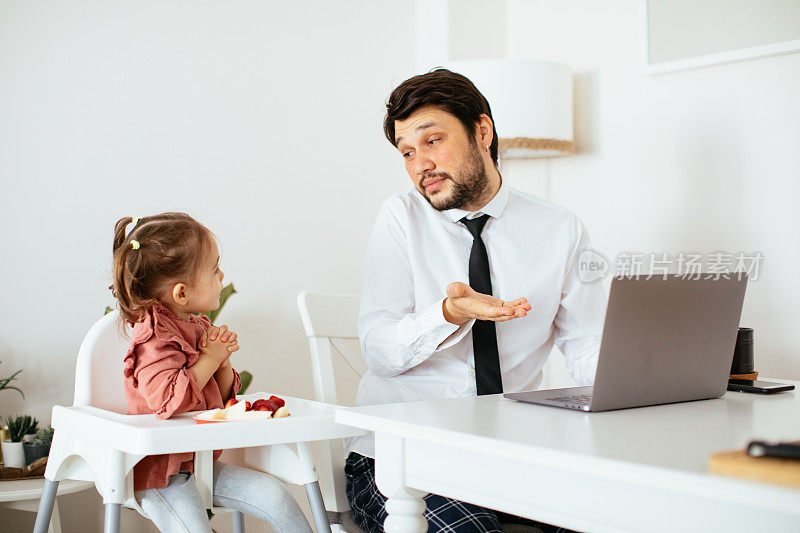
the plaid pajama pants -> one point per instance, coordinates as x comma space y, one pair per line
444, 515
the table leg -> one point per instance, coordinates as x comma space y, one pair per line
318, 507
405, 506
46, 504
112, 518
406, 509
237, 517
55, 519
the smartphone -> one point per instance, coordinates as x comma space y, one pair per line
759, 387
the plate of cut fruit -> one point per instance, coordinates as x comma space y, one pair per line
235, 410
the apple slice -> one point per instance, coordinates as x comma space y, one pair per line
235, 412
281, 412
256, 415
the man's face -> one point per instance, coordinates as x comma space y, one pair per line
444, 162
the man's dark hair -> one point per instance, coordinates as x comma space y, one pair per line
446, 90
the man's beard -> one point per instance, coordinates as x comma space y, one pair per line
468, 189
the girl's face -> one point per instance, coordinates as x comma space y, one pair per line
203, 294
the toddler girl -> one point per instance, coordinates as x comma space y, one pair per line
166, 271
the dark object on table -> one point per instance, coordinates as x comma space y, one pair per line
786, 450
39, 446
758, 387
743, 365
34, 451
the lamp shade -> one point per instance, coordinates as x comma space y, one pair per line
531, 104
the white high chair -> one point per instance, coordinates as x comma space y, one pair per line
331, 325
95, 441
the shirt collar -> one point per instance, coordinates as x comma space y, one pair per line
494, 208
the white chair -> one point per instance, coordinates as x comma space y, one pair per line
99, 383
331, 325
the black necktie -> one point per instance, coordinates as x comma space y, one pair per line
484, 337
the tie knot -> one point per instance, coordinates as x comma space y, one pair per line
475, 225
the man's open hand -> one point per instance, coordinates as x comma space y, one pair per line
463, 304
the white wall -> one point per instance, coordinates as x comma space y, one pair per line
262, 119
698, 160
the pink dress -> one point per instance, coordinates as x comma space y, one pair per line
158, 380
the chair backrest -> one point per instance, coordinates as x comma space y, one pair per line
99, 381
331, 325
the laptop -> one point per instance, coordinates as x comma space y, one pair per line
666, 339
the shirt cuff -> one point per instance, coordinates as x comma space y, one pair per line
441, 333
184, 394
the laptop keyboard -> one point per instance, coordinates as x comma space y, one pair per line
579, 400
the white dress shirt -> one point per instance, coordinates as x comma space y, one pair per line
415, 251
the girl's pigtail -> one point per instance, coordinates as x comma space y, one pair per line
119, 231
123, 277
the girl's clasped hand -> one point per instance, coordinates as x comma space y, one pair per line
219, 342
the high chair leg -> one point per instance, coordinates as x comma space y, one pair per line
45, 512
318, 507
238, 521
112, 518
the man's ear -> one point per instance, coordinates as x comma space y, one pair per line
484, 131
180, 294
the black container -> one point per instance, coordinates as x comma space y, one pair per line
743, 353
34, 451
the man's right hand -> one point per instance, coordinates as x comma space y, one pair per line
463, 304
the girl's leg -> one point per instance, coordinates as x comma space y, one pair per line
177, 508
260, 495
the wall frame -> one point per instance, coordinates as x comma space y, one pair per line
686, 34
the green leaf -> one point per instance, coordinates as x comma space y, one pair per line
108, 310
16, 389
246, 377
44, 436
226, 293
19, 426
4, 383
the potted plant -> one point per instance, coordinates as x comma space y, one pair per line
18, 427
39, 445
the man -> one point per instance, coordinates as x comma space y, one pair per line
467, 283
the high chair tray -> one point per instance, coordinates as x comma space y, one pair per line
149, 435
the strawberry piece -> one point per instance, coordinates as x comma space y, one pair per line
273, 405
248, 406
278, 401
232, 401
261, 405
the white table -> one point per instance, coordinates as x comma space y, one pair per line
24, 494
110, 444
632, 470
